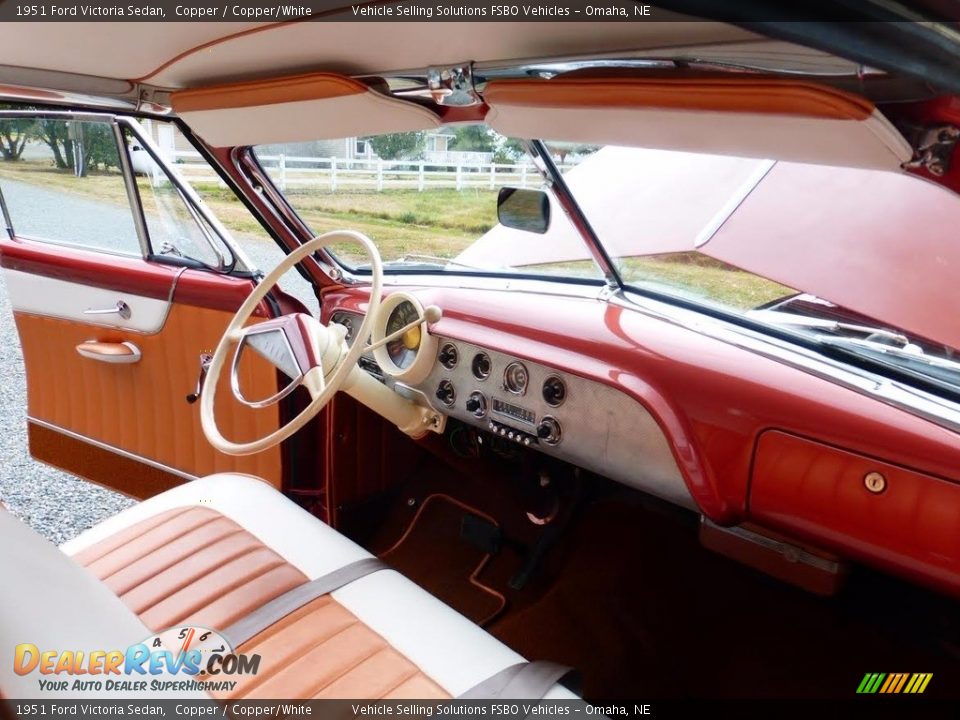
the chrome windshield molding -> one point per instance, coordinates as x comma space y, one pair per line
260, 182
573, 211
239, 260
133, 194
927, 406
532, 284
110, 448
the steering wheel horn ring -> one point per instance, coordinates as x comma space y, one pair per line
310, 354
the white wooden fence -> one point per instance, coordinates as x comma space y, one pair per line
292, 173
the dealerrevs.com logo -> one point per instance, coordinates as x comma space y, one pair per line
178, 659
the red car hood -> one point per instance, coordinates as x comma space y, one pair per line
880, 243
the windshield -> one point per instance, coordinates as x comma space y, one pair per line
814, 251
427, 199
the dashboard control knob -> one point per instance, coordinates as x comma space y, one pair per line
477, 404
554, 391
448, 356
446, 393
549, 430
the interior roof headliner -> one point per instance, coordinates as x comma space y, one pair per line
178, 55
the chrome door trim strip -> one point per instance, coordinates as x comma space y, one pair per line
110, 448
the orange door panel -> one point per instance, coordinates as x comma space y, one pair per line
128, 424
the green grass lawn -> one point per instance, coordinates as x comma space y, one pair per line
438, 222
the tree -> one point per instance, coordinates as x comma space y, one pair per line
509, 150
54, 134
398, 146
474, 137
14, 134
92, 143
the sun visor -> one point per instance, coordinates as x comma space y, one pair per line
745, 117
317, 106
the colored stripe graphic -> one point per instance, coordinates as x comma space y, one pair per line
894, 683
870, 683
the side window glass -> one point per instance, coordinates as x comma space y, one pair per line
245, 230
66, 185
174, 227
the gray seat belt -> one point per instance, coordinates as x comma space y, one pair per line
278, 608
523, 681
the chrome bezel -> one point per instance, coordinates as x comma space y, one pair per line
453, 394
473, 366
456, 355
526, 383
559, 428
563, 384
480, 412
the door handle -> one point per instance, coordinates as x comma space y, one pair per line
121, 309
124, 353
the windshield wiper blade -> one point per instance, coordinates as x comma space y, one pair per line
433, 261
776, 317
909, 352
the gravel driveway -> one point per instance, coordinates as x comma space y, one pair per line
57, 505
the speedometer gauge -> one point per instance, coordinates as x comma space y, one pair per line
411, 355
403, 350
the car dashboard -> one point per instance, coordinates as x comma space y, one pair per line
680, 413
519, 400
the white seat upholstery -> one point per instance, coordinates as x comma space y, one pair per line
444, 645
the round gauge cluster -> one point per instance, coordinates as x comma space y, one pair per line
403, 349
410, 350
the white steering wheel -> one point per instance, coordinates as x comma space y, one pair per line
313, 355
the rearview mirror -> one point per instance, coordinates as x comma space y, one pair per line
524, 209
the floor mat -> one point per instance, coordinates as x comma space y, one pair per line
433, 553
642, 610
